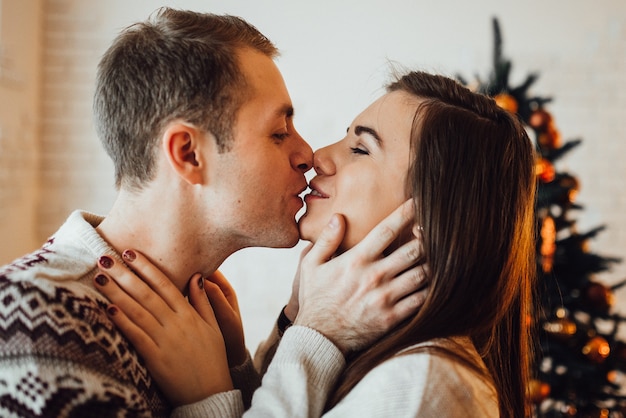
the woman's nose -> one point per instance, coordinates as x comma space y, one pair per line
323, 162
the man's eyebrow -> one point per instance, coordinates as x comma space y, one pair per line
286, 110
359, 129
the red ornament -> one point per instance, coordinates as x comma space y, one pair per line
599, 296
506, 102
597, 349
539, 119
550, 137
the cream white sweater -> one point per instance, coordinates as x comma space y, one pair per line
306, 366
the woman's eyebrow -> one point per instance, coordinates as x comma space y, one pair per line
359, 129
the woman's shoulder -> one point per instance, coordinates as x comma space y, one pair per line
447, 376
443, 357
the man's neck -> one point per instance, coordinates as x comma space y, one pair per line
161, 231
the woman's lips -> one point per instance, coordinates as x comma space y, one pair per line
315, 193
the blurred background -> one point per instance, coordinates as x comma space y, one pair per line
336, 56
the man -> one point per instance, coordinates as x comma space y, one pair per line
199, 124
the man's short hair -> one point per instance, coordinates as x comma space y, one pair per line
175, 65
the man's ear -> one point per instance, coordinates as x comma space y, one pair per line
182, 144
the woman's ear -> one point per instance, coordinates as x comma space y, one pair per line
182, 145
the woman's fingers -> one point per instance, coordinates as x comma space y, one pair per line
225, 287
136, 334
124, 289
180, 347
130, 288
153, 277
223, 299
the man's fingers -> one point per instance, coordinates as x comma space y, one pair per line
402, 258
383, 234
405, 294
408, 306
414, 280
329, 240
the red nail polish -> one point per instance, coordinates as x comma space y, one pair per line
106, 262
112, 310
129, 255
101, 279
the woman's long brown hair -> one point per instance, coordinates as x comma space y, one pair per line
472, 178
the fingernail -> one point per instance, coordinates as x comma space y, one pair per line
334, 222
106, 262
101, 279
129, 255
112, 310
201, 282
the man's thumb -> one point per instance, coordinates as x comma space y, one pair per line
329, 240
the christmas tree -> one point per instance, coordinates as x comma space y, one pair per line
580, 366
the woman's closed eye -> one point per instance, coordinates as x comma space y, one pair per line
361, 151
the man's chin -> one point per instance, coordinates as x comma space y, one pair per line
291, 240
306, 233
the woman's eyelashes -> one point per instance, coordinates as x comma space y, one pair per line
359, 150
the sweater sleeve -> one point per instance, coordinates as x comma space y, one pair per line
302, 372
266, 351
305, 367
246, 379
222, 405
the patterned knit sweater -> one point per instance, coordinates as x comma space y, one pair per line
60, 355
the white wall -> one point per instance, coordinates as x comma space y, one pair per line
335, 58
20, 73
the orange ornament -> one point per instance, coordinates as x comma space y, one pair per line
597, 349
506, 102
538, 391
545, 170
540, 119
572, 185
548, 243
561, 328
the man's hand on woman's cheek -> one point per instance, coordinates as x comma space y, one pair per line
358, 296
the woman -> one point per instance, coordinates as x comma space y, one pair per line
468, 167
